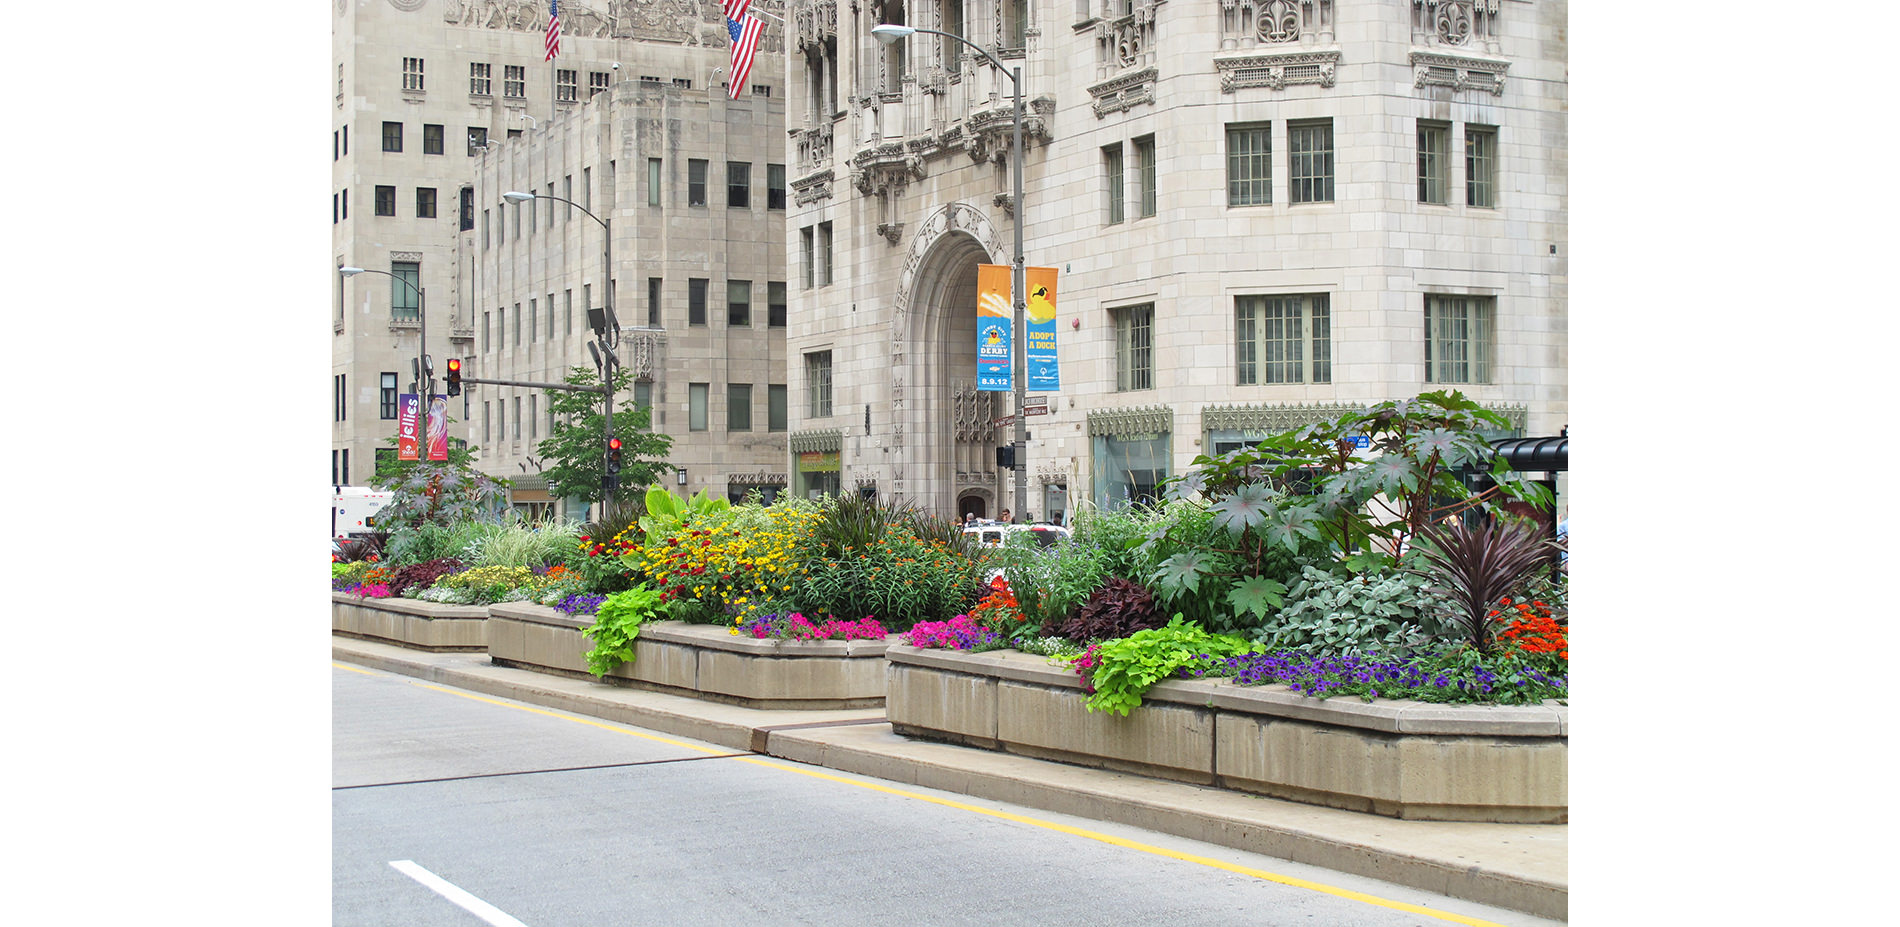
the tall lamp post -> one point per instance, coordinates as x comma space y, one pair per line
606, 331
425, 377
889, 34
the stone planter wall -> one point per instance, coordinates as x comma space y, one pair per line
705, 661
410, 622
1397, 758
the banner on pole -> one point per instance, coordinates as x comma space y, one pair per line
1040, 317
994, 318
438, 427
407, 423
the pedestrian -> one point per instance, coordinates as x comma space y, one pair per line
1006, 516
969, 519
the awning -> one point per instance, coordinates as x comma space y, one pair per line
1545, 454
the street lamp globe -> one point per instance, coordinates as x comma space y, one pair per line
350, 271
516, 196
889, 34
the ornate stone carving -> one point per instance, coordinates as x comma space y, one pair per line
642, 350
816, 441
893, 232
407, 6
812, 189
1131, 420
761, 478
408, 256
1456, 23
1277, 71
1270, 417
1007, 203
889, 166
1275, 24
814, 146
1124, 92
522, 16
991, 131
815, 21
972, 412
1459, 72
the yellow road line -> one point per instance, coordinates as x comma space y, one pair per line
353, 669
1210, 862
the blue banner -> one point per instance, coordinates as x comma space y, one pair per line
1044, 373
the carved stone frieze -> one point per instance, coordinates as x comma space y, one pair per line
990, 131
642, 350
814, 145
1132, 420
816, 441
1124, 92
1459, 72
815, 22
1277, 71
886, 167
408, 6
577, 19
812, 189
407, 256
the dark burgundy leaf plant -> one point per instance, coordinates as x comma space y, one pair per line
1477, 566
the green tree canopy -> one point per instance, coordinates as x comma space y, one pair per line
574, 453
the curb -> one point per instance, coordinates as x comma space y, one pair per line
1522, 867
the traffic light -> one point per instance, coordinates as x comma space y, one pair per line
1006, 457
613, 455
455, 376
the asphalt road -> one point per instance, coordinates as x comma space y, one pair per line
453, 808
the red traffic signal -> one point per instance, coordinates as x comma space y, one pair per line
455, 376
613, 454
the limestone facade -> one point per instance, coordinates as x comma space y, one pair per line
1269, 158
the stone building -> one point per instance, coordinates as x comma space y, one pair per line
443, 105
1261, 212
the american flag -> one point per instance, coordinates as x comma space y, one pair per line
736, 9
553, 41
745, 42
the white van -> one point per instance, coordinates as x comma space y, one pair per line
991, 534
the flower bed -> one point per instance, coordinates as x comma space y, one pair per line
702, 661
410, 623
1398, 758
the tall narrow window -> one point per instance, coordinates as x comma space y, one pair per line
738, 407
697, 396
738, 184
775, 186
696, 301
1481, 165
339, 404
818, 384
653, 181
1134, 347
567, 312
1145, 173
412, 74
1310, 168
567, 88
807, 260
1112, 178
431, 139
514, 425
1249, 165
1283, 339
477, 140
517, 338
775, 304
653, 302
404, 290
386, 397
824, 254
950, 13
425, 202
696, 182
534, 320
392, 136
1434, 143
777, 415
567, 193
1458, 338
739, 302
534, 417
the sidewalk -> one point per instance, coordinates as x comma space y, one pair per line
1518, 866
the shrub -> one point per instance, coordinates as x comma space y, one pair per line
1125, 669
616, 623
1327, 613
1119, 608
527, 545
1476, 566
899, 578
722, 564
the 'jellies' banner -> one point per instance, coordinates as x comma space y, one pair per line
407, 421
438, 428
1040, 319
993, 318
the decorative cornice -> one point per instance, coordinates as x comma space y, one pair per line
816, 441
1278, 417
813, 188
1132, 420
760, 478
1124, 91
1278, 70
1459, 72
411, 256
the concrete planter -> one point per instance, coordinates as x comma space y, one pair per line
410, 622
1402, 759
704, 661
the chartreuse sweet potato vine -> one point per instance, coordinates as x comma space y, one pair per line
616, 624
1126, 669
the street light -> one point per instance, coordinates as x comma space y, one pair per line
425, 377
889, 34
607, 332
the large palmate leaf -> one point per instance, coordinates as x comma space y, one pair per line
1286, 526
1183, 571
1256, 594
1394, 475
1248, 507
1450, 450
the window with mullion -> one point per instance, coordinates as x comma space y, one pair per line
403, 290
1458, 339
1249, 165
514, 81
818, 384
1112, 175
738, 184
1134, 347
1145, 171
1481, 164
738, 407
387, 399
738, 303
1434, 143
696, 301
1283, 339
1310, 173
695, 182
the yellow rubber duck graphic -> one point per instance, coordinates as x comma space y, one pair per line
1040, 308
993, 336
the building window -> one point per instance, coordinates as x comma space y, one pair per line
1112, 175
777, 416
696, 301
824, 254
486, 434
1283, 339
514, 424
1129, 469
479, 82
412, 74
477, 140
818, 384
501, 419
761, 90
517, 339
1434, 168
466, 209
514, 81
696, 399
346, 202
534, 320
333, 209
806, 258
643, 395
431, 139
392, 136
567, 85
775, 304
775, 186
653, 302
738, 184
534, 418
1310, 167
1134, 347
596, 82
405, 290
567, 313
1249, 165
1458, 339
346, 465
738, 407
653, 181
683, 83
696, 182
739, 302
335, 152
488, 338
338, 394
1481, 165
425, 202
1145, 173
386, 397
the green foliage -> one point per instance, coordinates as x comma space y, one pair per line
1390, 612
616, 624
522, 544
900, 580
667, 512
1126, 669
855, 522
1476, 566
1049, 583
439, 493
490, 583
431, 541
1125, 536
574, 454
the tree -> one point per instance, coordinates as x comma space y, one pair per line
435, 491
574, 453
